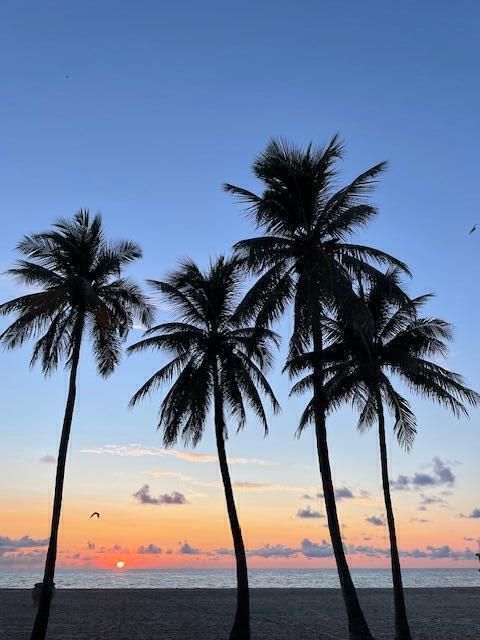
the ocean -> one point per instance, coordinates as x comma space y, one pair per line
225, 578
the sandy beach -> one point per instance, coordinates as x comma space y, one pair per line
205, 614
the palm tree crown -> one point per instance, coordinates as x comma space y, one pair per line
305, 254
395, 342
207, 341
79, 276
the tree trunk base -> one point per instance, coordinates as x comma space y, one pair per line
360, 636
240, 632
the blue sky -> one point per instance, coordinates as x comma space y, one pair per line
163, 103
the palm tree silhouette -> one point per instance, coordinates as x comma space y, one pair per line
217, 363
81, 289
391, 341
304, 258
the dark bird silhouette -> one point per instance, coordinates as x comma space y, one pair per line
67, 77
474, 228
95, 513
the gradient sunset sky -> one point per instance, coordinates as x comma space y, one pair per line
141, 111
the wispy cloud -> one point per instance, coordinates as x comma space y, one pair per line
377, 521
262, 486
137, 450
251, 486
143, 496
419, 520
48, 459
427, 501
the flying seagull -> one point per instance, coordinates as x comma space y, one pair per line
95, 513
474, 228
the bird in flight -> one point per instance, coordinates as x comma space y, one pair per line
95, 513
474, 228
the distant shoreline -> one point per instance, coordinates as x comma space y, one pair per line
282, 614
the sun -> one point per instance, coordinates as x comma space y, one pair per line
120, 564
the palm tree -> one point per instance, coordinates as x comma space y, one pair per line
218, 364
305, 258
361, 360
81, 289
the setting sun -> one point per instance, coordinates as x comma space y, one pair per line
120, 564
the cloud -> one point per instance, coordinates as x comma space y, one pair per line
48, 459
149, 549
423, 480
475, 513
251, 486
12, 558
343, 492
7, 543
447, 552
307, 496
143, 496
241, 485
223, 551
400, 484
137, 450
441, 474
315, 549
186, 550
170, 474
419, 520
308, 513
377, 521
273, 551
429, 500
371, 552
261, 486
116, 548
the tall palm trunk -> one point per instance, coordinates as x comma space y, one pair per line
402, 631
357, 625
39, 630
241, 625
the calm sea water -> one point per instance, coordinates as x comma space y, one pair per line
225, 578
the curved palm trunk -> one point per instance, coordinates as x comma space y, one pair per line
241, 625
39, 630
402, 630
357, 625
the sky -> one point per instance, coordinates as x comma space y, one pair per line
142, 111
